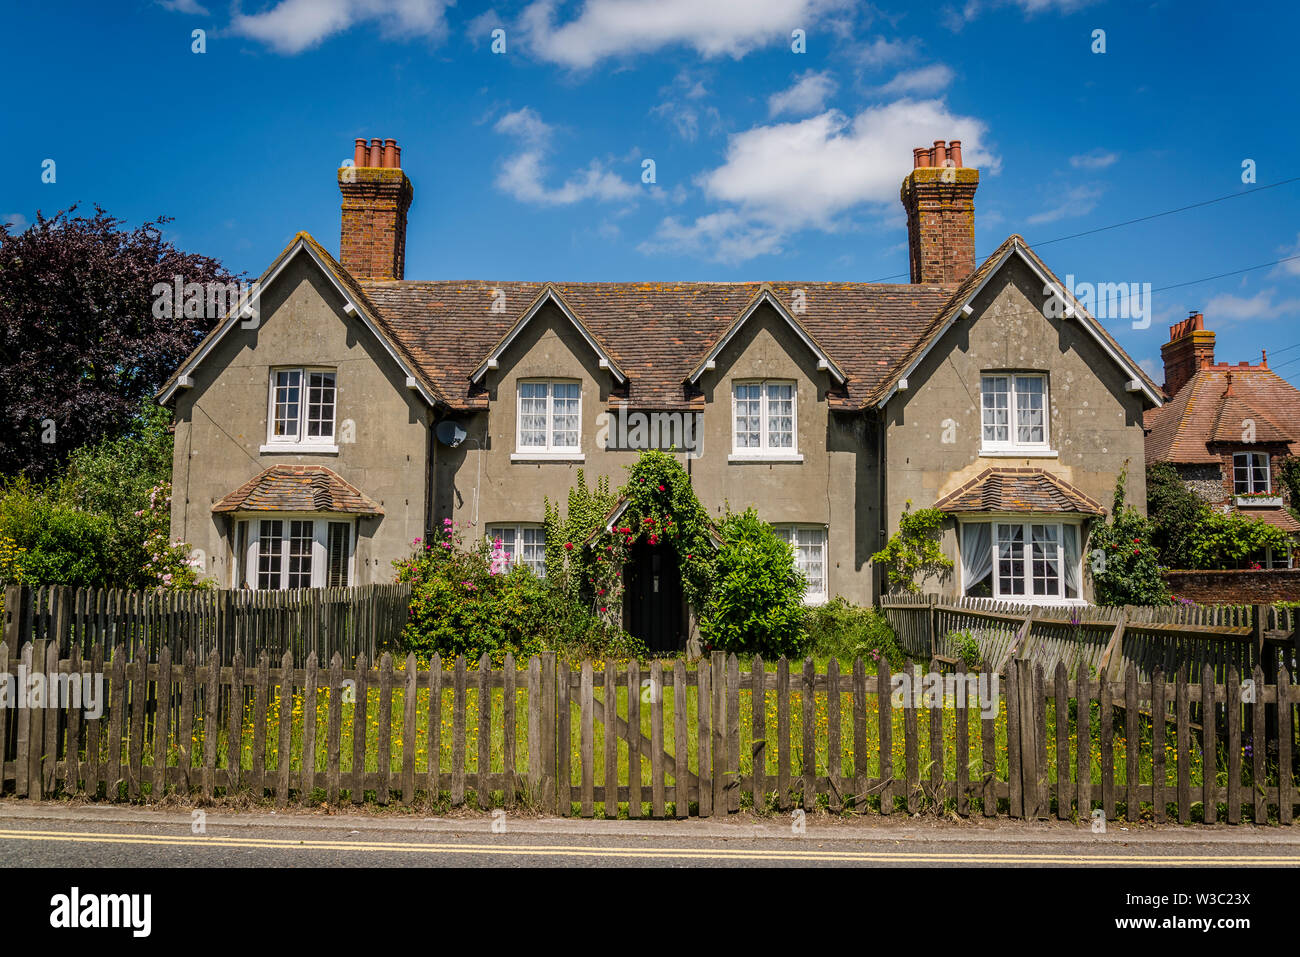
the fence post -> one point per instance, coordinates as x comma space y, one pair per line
1030, 771
930, 624
544, 712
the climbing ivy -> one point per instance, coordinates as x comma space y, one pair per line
568, 565
660, 507
914, 549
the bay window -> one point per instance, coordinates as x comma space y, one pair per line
1021, 560
273, 554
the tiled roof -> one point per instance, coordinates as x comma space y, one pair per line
657, 332
1017, 490
1202, 412
298, 488
1273, 516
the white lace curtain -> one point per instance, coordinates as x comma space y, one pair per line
976, 553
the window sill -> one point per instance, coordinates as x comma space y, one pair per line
1029, 453
768, 459
287, 448
526, 457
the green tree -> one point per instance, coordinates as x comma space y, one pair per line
1176, 514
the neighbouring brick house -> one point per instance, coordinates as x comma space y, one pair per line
358, 409
1225, 429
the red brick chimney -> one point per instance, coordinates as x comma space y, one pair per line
939, 196
376, 196
1190, 347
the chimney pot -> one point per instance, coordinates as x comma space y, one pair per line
940, 217
359, 153
373, 227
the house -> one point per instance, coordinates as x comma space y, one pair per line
1225, 429
353, 410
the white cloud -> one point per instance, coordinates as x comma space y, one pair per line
192, 7
1229, 308
1076, 201
1291, 268
925, 81
523, 175
16, 222
808, 95
292, 26
782, 178
713, 28
727, 236
1094, 159
957, 17
883, 52
686, 117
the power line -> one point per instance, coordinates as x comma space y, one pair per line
1235, 272
1167, 212
1170, 212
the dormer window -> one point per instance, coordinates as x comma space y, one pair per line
1250, 473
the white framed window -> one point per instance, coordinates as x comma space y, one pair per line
301, 409
809, 545
1031, 561
1014, 411
1250, 473
764, 419
288, 551
522, 545
549, 417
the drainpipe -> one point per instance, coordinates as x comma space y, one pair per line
882, 462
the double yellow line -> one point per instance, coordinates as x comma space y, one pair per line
649, 853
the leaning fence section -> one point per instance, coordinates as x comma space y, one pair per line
364, 619
1095, 640
661, 739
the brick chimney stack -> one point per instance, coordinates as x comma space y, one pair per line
376, 196
939, 196
1190, 347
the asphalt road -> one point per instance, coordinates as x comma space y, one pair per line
33, 835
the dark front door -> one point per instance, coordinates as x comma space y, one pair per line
653, 606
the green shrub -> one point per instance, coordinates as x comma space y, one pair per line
465, 600
63, 545
1125, 569
756, 600
967, 647
845, 631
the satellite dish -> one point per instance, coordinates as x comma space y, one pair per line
450, 432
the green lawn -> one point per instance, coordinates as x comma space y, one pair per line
443, 713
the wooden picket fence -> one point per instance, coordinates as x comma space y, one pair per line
351, 621
1102, 640
665, 740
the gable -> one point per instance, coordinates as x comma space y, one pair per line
303, 253
766, 301
548, 297
967, 301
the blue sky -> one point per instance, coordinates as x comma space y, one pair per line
769, 164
